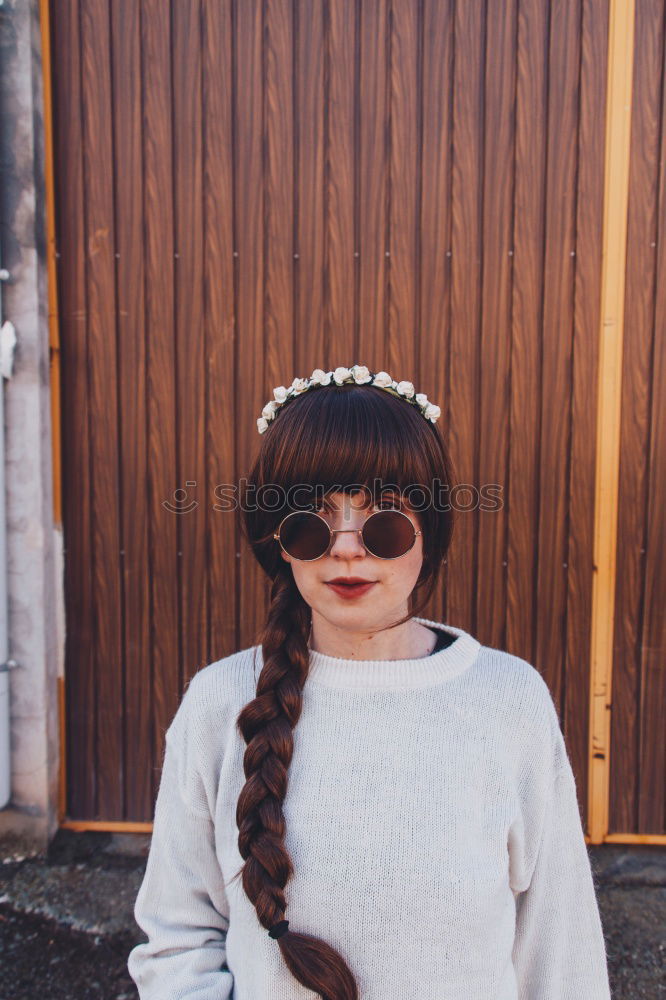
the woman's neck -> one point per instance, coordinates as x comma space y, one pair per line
410, 640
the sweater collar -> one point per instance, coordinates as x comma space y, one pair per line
410, 674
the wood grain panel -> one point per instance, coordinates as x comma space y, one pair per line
133, 665
247, 190
372, 239
433, 261
495, 333
283, 194
164, 503
80, 696
557, 341
527, 317
464, 342
652, 777
191, 396
402, 337
103, 373
585, 360
220, 326
340, 84
309, 192
250, 202
639, 652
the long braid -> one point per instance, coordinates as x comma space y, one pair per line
266, 724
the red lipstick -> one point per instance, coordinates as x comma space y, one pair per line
350, 586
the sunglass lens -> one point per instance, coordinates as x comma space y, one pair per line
388, 534
304, 535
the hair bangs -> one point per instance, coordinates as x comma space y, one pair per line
344, 437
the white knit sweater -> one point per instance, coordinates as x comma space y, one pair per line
432, 819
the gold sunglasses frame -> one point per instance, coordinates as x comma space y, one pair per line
336, 531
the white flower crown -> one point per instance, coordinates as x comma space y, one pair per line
357, 374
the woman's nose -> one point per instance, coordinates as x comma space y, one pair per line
347, 543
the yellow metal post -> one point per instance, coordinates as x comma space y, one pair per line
616, 199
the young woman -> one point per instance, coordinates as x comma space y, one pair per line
366, 803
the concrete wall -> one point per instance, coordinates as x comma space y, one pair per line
33, 541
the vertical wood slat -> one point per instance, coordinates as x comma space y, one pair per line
283, 189
339, 152
636, 778
632, 498
70, 241
383, 129
652, 777
250, 202
557, 342
220, 324
282, 192
587, 296
463, 346
99, 240
433, 325
527, 313
308, 202
496, 326
372, 194
163, 564
402, 338
131, 384
190, 331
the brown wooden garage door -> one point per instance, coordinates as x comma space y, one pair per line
247, 190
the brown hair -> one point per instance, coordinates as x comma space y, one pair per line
330, 437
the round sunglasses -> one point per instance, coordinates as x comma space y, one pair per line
305, 535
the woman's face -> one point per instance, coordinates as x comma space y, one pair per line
393, 579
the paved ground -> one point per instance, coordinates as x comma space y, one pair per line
66, 921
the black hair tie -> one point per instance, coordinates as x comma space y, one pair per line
278, 929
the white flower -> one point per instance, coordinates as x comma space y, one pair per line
358, 374
361, 374
405, 389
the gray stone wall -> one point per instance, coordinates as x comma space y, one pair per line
33, 540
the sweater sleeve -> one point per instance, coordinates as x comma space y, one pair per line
559, 951
181, 905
